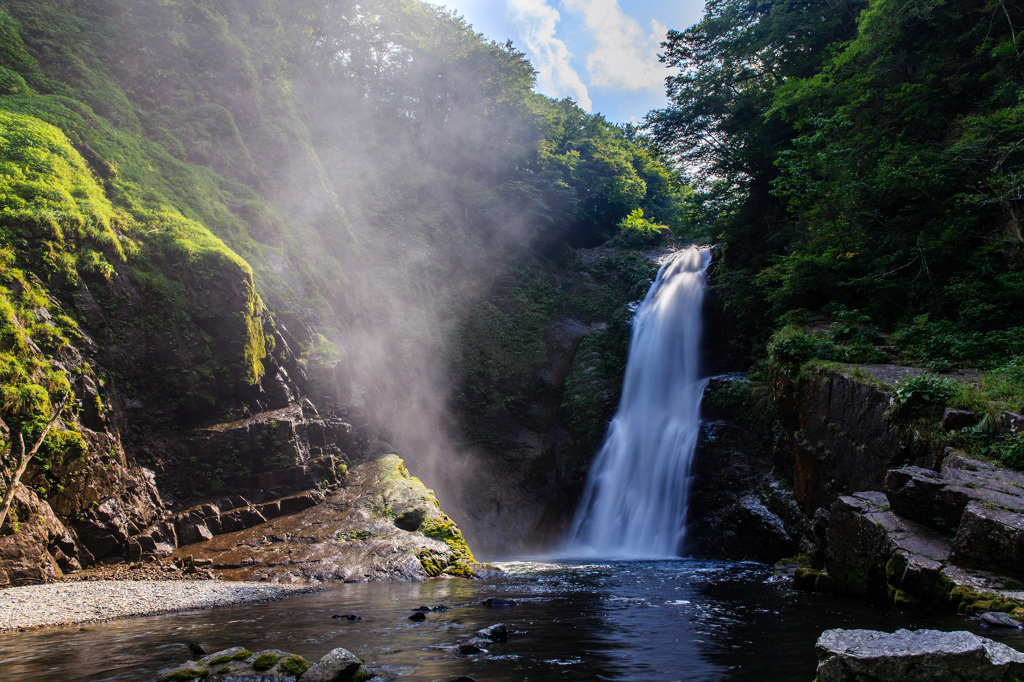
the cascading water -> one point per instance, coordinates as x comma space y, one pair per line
634, 504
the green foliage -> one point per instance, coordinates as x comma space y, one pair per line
636, 232
922, 394
791, 347
1012, 453
860, 155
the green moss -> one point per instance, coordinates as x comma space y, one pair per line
354, 535
224, 671
239, 656
185, 675
462, 560
265, 662
294, 665
965, 599
430, 563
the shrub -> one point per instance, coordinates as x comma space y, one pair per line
921, 394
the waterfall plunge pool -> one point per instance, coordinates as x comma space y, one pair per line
642, 620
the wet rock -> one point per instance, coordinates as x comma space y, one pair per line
340, 665
914, 656
348, 537
186, 671
417, 617
734, 510
499, 602
297, 503
473, 646
494, 633
351, 617
241, 519
269, 510
196, 649
28, 556
998, 619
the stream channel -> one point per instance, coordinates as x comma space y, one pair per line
658, 620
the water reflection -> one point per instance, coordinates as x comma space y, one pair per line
665, 620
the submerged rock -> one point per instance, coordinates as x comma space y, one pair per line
997, 619
914, 656
499, 602
238, 663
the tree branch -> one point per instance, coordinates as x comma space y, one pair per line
24, 458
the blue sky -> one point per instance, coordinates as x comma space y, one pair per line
601, 53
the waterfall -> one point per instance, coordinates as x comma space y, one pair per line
634, 503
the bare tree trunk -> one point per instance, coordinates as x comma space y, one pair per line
23, 460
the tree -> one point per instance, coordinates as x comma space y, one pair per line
25, 457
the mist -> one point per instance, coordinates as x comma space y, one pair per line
382, 167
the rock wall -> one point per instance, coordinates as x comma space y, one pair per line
897, 517
738, 507
839, 440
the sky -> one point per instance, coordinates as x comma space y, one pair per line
601, 53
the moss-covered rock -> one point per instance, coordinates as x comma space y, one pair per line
239, 663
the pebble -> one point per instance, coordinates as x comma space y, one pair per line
92, 601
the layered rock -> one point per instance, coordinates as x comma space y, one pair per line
949, 538
910, 656
842, 442
382, 524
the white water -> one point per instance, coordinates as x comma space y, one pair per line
634, 504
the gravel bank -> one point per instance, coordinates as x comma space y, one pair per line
86, 602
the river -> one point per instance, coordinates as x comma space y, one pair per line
659, 620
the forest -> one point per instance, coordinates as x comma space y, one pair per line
272, 272
860, 166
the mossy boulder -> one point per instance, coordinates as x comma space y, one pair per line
404, 498
238, 663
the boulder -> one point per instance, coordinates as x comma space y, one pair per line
998, 619
494, 633
191, 527
914, 656
30, 555
340, 665
872, 552
992, 538
954, 420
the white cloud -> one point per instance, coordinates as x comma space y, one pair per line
623, 58
550, 55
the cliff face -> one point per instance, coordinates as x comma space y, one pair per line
536, 424
132, 183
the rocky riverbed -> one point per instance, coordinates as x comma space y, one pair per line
85, 602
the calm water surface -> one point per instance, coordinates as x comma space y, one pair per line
663, 620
